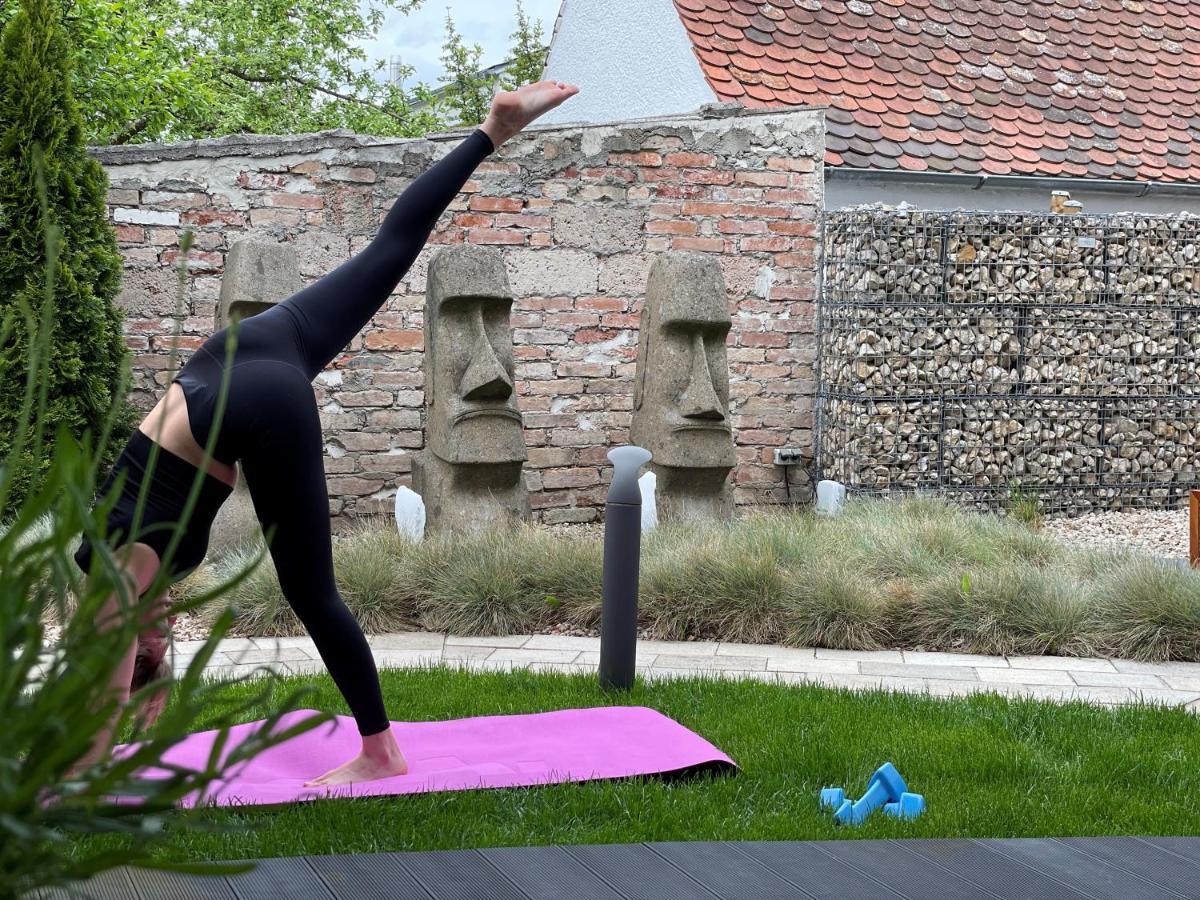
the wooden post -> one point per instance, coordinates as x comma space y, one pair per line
1194, 543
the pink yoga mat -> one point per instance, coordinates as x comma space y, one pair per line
462, 754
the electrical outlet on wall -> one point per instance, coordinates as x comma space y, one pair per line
788, 456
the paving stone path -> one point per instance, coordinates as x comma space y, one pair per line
1108, 682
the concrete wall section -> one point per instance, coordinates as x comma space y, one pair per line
578, 213
644, 66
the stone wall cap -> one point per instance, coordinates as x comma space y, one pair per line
264, 145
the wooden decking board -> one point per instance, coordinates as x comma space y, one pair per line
549, 873
1030, 869
152, 884
458, 874
910, 876
726, 872
1188, 848
816, 873
1003, 876
1143, 859
284, 878
366, 875
639, 873
1084, 873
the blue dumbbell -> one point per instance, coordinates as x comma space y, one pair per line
885, 786
909, 806
833, 797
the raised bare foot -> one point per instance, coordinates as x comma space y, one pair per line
380, 758
513, 110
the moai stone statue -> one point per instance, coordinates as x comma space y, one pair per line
681, 389
470, 474
257, 276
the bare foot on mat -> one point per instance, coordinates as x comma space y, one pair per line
380, 758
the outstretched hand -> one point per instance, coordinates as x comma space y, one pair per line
513, 110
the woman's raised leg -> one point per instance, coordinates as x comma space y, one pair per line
332, 311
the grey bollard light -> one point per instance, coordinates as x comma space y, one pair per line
622, 555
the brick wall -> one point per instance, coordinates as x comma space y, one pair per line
578, 212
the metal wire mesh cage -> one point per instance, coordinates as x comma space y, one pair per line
982, 354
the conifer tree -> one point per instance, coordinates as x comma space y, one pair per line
38, 117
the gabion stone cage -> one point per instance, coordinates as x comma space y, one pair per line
979, 355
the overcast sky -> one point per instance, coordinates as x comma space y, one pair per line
417, 37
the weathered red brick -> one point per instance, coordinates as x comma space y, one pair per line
295, 201
763, 339
795, 260
592, 336
601, 304
761, 211
764, 179
354, 485
285, 217
492, 236
133, 234
569, 478
791, 195
471, 220
690, 160
704, 244
765, 244
741, 226
213, 216
540, 239
308, 167
791, 164
259, 180
700, 208
619, 320
671, 226
807, 229
644, 158
390, 339
709, 176
496, 204
682, 191
515, 220
601, 173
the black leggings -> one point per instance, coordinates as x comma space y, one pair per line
270, 421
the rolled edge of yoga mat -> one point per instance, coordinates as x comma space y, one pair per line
622, 557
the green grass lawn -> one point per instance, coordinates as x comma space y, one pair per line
989, 767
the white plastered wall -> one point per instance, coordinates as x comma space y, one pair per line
630, 58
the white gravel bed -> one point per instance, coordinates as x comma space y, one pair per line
1158, 532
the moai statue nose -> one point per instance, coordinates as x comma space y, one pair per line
485, 378
700, 400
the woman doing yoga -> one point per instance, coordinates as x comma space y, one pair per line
271, 426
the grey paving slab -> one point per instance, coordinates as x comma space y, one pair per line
815, 873
368, 875
727, 872
1143, 859
888, 863
1084, 873
993, 872
549, 873
458, 874
639, 873
285, 878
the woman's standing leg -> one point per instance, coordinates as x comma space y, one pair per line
286, 478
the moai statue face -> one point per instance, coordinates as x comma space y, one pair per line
681, 392
470, 372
